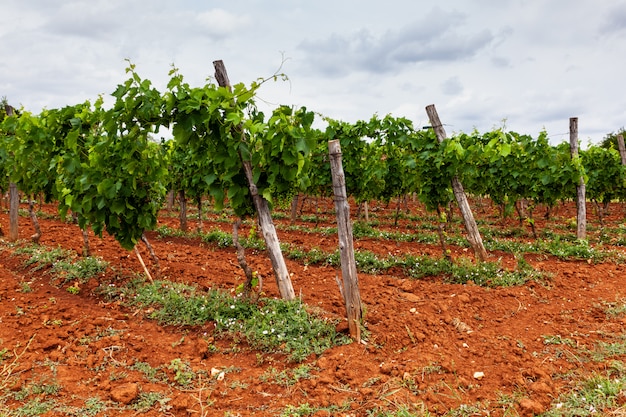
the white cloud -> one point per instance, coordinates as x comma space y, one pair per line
534, 63
220, 23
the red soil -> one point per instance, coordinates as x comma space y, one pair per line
427, 340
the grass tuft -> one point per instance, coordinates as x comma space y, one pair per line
271, 326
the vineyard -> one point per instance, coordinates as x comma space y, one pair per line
202, 274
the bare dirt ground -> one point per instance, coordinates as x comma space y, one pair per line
430, 346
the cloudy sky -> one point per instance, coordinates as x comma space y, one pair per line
526, 64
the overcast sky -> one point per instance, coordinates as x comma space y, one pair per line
528, 64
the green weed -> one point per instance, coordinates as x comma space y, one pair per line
596, 395
63, 264
81, 270
288, 377
308, 410
271, 326
183, 374
151, 374
147, 400
35, 407
615, 309
25, 287
40, 257
558, 340
93, 406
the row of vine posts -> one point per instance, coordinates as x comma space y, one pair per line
473, 234
348, 286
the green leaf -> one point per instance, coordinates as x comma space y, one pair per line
118, 207
234, 118
267, 195
505, 149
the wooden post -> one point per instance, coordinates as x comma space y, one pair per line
200, 220
14, 206
182, 215
170, 200
621, 148
262, 208
581, 202
294, 208
33, 217
473, 234
14, 198
350, 288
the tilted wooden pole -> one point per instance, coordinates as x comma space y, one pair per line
350, 288
473, 234
621, 148
262, 208
14, 198
581, 200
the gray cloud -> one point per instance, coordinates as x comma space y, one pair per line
501, 62
480, 61
434, 38
452, 86
93, 20
615, 20
135, 24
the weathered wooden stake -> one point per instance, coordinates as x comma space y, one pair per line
86, 250
350, 287
170, 201
200, 224
581, 202
241, 257
182, 216
473, 234
294, 208
262, 208
14, 206
143, 264
14, 198
33, 217
621, 148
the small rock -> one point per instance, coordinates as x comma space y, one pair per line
201, 348
386, 368
125, 394
411, 297
479, 375
180, 402
530, 407
541, 388
326, 378
419, 336
323, 363
464, 298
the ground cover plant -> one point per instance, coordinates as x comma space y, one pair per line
538, 329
